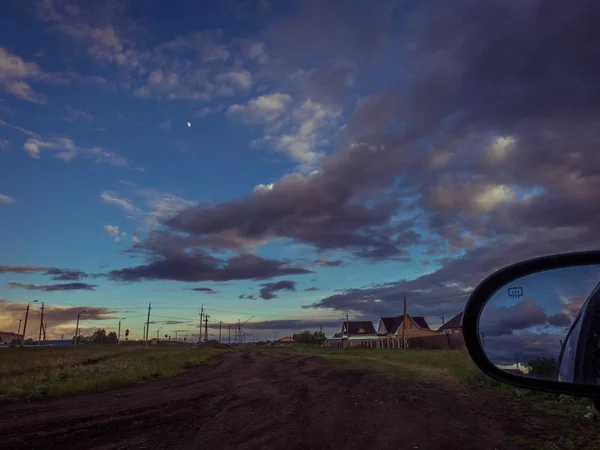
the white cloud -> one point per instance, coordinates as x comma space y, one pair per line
500, 148
74, 115
66, 150
111, 230
13, 73
4, 145
6, 199
304, 142
266, 108
241, 79
125, 204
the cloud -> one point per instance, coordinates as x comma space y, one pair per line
175, 322
54, 287
59, 319
204, 289
111, 230
292, 324
112, 199
6, 199
13, 73
190, 264
54, 273
263, 109
67, 150
504, 320
311, 289
76, 115
268, 290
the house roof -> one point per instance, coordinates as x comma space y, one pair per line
360, 328
392, 324
452, 323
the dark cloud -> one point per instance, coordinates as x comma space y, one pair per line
175, 322
522, 346
559, 320
504, 320
200, 266
329, 262
287, 324
53, 272
54, 287
249, 296
310, 289
268, 290
203, 289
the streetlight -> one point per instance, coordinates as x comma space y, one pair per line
25, 324
77, 328
119, 333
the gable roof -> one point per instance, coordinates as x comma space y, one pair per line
392, 324
452, 323
360, 328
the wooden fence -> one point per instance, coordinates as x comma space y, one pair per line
436, 342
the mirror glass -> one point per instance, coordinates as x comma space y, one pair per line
546, 325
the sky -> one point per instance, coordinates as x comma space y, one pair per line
292, 161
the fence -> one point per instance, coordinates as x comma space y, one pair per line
437, 342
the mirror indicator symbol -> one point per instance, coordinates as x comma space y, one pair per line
515, 292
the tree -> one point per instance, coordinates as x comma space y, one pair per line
337, 335
99, 336
111, 338
542, 367
303, 338
318, 338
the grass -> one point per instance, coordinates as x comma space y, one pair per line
27, 373
452, 367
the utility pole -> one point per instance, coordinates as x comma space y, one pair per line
176, 335
239, 332
229, 339
200, 328
443, 322
220, 323
404, 325
144, 333
119, 332
45, 330
41, 324
148, 322
19, 332
206, 316
77, 330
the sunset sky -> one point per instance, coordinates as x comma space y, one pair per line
288, 160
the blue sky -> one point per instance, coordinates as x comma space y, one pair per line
317, 159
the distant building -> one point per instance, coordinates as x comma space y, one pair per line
7, 337
452, 326
362, 329
416, 326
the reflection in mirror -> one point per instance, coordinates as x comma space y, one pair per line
546, 325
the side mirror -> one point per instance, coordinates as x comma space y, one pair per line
536, 324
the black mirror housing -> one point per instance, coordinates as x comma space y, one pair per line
482, 294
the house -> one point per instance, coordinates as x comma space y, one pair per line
452, 326
416, 326
7, 337
286, 340
361, 329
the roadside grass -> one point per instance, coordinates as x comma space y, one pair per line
452, 367
28, 373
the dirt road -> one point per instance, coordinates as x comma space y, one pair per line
245, 400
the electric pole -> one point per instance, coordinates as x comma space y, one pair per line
19, 332
148, 322
41, 324
404, 325
119, 332
229, 339
77, 330
443, 322
220, 323
200, 328
239, 332
45, 330
206, 316
144, 332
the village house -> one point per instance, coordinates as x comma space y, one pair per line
416, 326
7, 337
452, 326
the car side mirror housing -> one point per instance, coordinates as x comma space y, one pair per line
536, 324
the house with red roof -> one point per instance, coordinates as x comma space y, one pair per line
416, 326
452, 326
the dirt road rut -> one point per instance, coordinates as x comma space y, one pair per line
246, 400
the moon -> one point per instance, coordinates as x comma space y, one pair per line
188, 124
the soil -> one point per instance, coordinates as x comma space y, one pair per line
246, 400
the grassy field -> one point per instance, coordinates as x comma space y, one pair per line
27, 373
